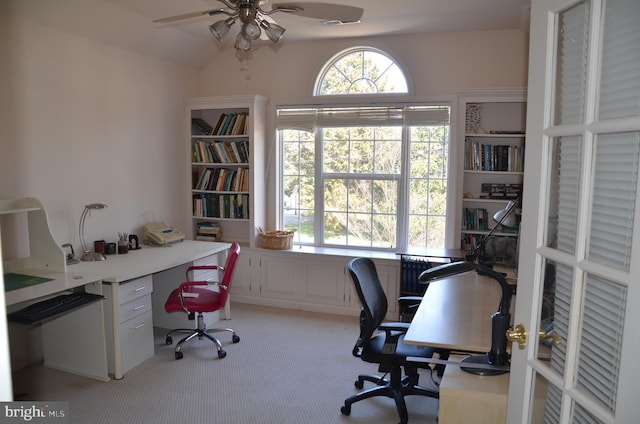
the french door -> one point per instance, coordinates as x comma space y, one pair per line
579, 270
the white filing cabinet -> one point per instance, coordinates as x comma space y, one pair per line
129, 324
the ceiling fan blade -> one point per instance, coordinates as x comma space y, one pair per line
323, 11
190, 15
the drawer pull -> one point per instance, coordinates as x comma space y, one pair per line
139, 326
137, 308
140, 288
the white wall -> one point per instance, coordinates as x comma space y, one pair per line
82, 122
438, 64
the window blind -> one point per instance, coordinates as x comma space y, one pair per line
309, 118
613, 205
569, 156
620, 80
571, 69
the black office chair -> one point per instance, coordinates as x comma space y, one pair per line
384, 348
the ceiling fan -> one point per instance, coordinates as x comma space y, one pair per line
254, 19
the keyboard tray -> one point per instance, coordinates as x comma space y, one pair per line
49, 308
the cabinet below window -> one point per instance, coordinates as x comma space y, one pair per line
306, 281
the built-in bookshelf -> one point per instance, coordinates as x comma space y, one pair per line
493, 140
226, 161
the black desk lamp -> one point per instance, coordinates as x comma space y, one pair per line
498, 355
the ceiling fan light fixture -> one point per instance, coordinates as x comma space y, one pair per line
220, 28
242, 43
273, 31
252, 18
251, 30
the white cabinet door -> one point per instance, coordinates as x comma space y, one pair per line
281, 277
324, 282
242, 283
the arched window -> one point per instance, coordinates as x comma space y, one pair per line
362, 70
362, 174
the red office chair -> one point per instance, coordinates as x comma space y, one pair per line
189, 297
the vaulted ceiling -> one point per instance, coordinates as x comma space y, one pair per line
128, 23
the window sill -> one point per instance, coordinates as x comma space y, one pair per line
334, 251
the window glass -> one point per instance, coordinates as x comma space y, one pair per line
361, 71
345, 184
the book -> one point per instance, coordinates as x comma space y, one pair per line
221, 119
201, 125
223, 130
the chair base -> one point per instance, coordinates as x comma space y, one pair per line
397, 387
200, 332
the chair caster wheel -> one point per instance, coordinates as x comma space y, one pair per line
169, 340
235, 338
179, 355
359, 385
222, 354
346, 410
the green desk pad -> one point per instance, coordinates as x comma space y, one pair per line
14, 281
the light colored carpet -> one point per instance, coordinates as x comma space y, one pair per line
289, 367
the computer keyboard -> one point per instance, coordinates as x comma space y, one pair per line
49, 308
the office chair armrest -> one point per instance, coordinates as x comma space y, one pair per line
186, 284
408, 306
394, 326
392, 333
196, 267
217, 283
201, 267
409, 300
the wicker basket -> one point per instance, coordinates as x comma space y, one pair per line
276, 240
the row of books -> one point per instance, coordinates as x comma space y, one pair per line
411, 268
226, 124
224, 179
475, 219
208, 231
233, 151
232, 206
492, 157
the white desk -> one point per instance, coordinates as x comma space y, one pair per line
149, 260
60, 282
129, 280
83, 350
455, 313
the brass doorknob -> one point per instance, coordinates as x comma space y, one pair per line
518, 334
549, 338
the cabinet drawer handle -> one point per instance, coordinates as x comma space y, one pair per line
137, 308
139, 326
140, 288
